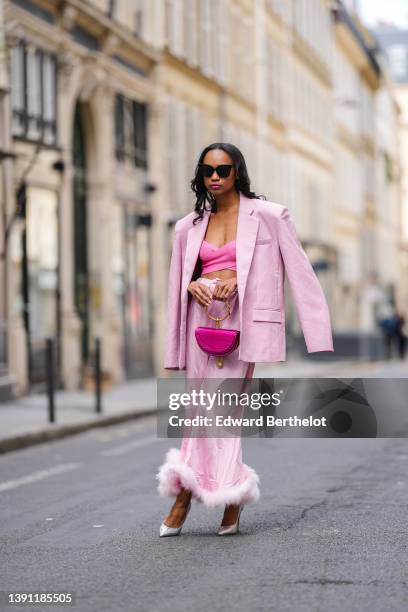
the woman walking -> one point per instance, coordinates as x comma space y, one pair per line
232, 250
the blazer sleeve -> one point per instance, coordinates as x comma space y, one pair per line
310, 302
172, 342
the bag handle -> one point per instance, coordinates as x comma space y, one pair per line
219, 319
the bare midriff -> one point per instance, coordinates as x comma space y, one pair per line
222, 274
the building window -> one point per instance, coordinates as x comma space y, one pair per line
33, 94
206, 37
138, 18
191, 28
399, 61
131, 131
111, 8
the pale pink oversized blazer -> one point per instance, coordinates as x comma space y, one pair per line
267, 245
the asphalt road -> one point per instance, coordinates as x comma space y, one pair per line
82, 516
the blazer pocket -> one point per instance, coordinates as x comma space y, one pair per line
264, 241
267, 314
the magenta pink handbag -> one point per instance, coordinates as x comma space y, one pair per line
215, 341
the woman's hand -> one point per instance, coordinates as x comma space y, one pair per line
225, 289
200, 293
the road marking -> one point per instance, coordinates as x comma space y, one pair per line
18, 482
125, 448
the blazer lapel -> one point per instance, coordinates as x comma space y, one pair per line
247, 230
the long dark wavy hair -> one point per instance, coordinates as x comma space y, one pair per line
242, 181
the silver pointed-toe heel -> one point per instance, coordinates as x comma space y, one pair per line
231, 529
165, 530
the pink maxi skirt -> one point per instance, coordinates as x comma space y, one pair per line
210, 467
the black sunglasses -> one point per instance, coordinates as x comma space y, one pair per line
223, 171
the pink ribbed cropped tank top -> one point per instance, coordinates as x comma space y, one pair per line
218, 258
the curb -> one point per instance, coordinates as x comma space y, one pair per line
62, 431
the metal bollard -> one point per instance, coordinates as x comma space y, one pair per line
98, 404
49, 357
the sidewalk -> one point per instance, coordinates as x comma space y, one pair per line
25, 421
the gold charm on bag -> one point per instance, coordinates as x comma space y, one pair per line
220, 360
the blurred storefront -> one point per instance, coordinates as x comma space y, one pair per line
138, 314
39, 276
80, 255
6, 378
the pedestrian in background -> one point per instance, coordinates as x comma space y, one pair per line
390, 325
402, 333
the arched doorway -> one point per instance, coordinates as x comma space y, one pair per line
81, 278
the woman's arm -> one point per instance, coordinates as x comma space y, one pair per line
310, 302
